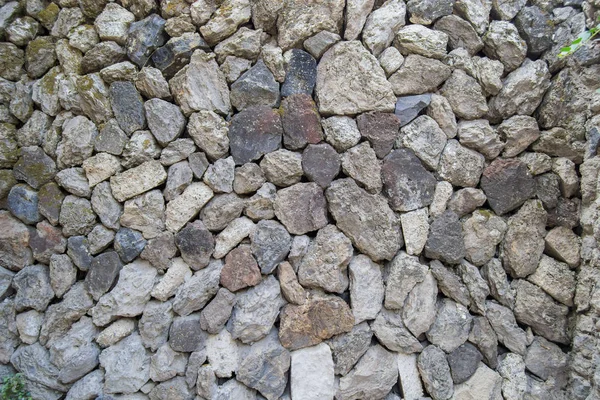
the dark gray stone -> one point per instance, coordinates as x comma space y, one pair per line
545, 359
256, 87
186, 334
129, 244
426, 11
196, 245
144, 37
165, 120
464, 362
435, 372
406, 182
45, 241
111, 139
22, 202
320, 163
254, 132
536, 28
348, 348
271, 244
34, 167
380, 129
32, 284
102, 55
50, 199
198, 164
409, 107
300, 75
445, 241
103, 271
128, 106
507, 184
176, 54
78, 248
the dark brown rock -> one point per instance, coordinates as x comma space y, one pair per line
314, 321
46, 240
240, 269
380, 129
406, 182
254, 132
507, 184
301, 122
321, 163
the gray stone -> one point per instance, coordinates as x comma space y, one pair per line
123, 300
366, 288
151, 83
463, 362
265, 366
248, 179
361, 163
483, 231
185, 334
485, 382
556, 279
216, 313
504, 324
105, 205
373, 376
393, 334
341, 132
357, 12
523, 90
176, 53
500, 289
484, 338
291, 289
154, 324
318, 44
209, 132
34, 167
408, 107
478, 287
100, 238
22, 202
15, 253
206, 384
144, 37
127, 106
477, 12
221, 210
524, 240
519, 132
348, 348
232, 235
74, 181
536, 27
282, 167
255, 311
197, 291
406, 183
253, 133
427, 12
113, 23
301, 208
165, 120
424, 136
502, 175
466, 200
78, 249
102, 55
435, 372
464, 95
320, 163
111, 139
461, 34
503, 43
33, 289
461, 166
179, 176
198, 164
240, 269
128, 184
76, 216
260, 206
103, 271
33, 361
226, 20
450, 283
451, 327
219, 176
564, 245
417, 39
175, 389
545, 359
9, 332
245, 43
507, 10
89, 386
211, 94
568, 179
300, 74
145, 213
481, 137
196, 244
342, 75
187, 205
126, 365
129, 244
164, 365
379, 240
326, 261
445, 241
382, 25
391, 60
419, 310
256, 87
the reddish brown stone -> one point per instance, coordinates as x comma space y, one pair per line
301, 122
316, 320
240, 269
507, 184
380, 129
45, 241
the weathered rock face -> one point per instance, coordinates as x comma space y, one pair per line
350, 81
305, 199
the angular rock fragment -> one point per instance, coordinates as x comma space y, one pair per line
127, 366
366, 219
418, 39
165, 120
198, 290
424, 136
341, 132
556, 279
348, 348
390, 330
301, 208
144, 37
461, 166
408, 107
350, 81
419, 75
311, 372
240, 269
214, 316
185, 334
503, 43
225, 20
196, 244
419, 310
435, 372
380, 129
445, 241
320, 163
301, 122
187, 205
373, 376
504, 324
451, 327
254, 132
464, 95
256, 87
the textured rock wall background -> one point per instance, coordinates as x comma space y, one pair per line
299, 199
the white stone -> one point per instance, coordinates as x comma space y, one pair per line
484, 384
410, 381
441, 197
341, 132
232, 235
176, 275
366, 288
115, 332
100, 167
137, 180
383, 24
187, 205
415, 227
29, 324
311, 374
357, 12
222, 352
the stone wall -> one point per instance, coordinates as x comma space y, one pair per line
299, 199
